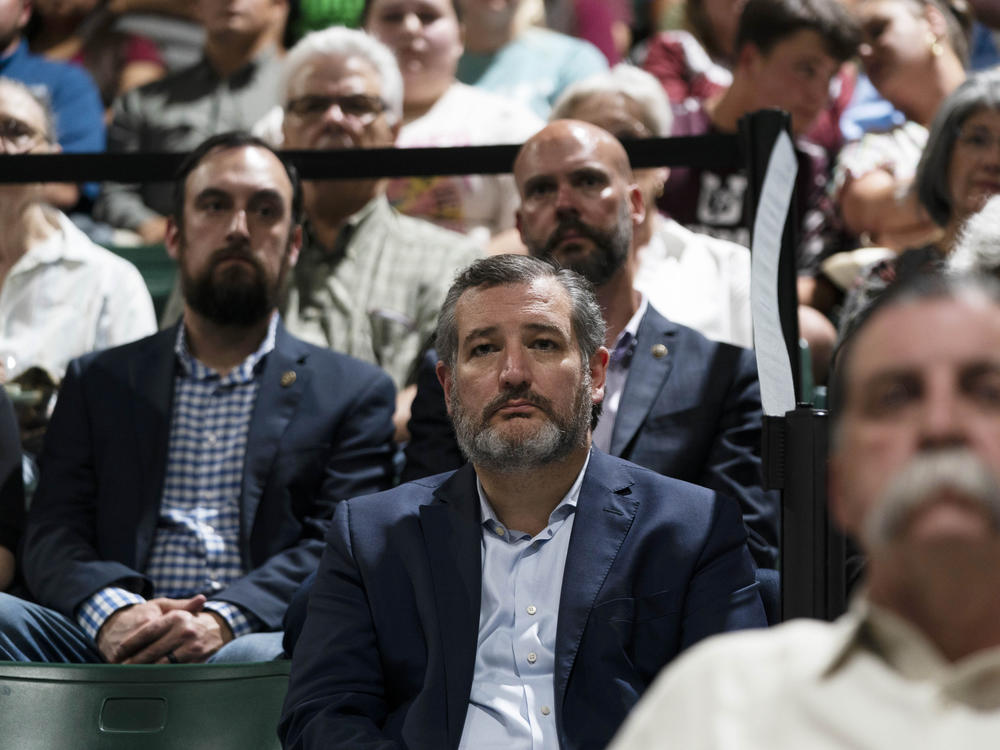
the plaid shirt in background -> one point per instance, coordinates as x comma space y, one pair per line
196, 547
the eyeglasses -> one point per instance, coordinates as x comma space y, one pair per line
18, 135
361, 108
978, 138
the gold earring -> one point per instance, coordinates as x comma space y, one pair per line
935, 45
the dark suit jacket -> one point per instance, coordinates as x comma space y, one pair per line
387, 656
692, 414
322, 438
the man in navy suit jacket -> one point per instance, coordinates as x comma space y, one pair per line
677, 403
188, 478
533, 594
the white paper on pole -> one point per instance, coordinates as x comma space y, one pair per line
777, 390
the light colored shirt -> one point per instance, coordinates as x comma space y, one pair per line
699, 281
617, 375
512, 703
868, 681
474, 204
67, 296
196, 547
376, 294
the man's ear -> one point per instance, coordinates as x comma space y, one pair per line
443, 373
294, 246
598, 373
748, 57
172, 238
637, 205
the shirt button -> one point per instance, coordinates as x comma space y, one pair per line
210, 438
532, 657
531, 609
498, 530
546, 710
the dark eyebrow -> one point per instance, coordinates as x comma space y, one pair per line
533, 182
211, 192
479, 332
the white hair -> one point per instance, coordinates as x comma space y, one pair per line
629, 81
978, 246
339, 41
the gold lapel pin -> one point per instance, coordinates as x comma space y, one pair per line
288, 378
659, 351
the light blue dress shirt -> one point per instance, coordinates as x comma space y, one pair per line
512, 703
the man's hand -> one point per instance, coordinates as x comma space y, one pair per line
183, 633
118, 628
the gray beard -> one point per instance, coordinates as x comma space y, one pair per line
553, 441
928, 473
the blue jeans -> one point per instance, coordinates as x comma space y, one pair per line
31, 632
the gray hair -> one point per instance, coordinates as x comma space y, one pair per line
980, 91
339, 41
978, 247
504, 270
931, 286
41, 98
629, 81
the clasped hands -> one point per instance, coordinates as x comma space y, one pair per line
156, 630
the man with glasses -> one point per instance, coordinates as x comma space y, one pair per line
369, 281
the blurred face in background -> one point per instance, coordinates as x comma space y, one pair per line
974, 169
426, 38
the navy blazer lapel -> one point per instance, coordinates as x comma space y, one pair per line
151, 379
647, 376
452, 529
604, 515
277, 401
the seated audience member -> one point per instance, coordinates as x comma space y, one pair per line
787, 52
188, 479
494, 606
958, 172
694, 279
913, 51
369, 281
439, 111
83, 32
60, 294
694, 65
508, 56
915, 478
11, 491
675, 402
69, 91
231, 87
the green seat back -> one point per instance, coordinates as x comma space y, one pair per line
168, 707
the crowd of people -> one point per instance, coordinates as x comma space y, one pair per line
481, 454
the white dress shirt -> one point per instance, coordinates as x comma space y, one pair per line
869, 681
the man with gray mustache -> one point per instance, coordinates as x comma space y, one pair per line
914, 470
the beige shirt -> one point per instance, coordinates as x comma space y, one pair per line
869, 681
377, 293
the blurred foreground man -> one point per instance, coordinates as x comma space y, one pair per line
914, 478
527, 599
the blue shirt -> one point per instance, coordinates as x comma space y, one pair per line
512, 703
196, 546
70, 92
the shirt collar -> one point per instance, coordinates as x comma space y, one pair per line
377, 204
867, 627
565, 507
242, 373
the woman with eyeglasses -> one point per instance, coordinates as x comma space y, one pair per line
958, 172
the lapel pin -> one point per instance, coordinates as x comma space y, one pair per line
659, 351
287, 378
